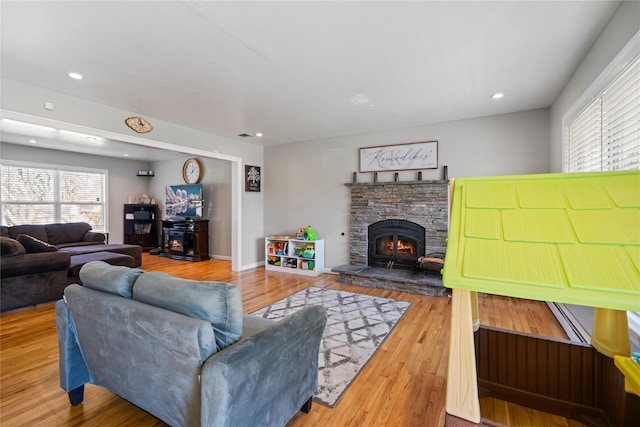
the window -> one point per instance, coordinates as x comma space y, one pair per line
605, 136
33, 194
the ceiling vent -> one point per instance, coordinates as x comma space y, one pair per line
245, 135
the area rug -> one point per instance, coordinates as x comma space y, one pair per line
356, 327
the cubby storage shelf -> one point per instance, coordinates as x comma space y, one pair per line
141, 225
295, 256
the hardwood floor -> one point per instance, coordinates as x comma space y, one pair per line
402, 385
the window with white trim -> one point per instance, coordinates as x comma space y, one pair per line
605, 135
34, 194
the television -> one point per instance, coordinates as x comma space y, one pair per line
183, 202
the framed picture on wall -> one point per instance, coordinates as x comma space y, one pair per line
252, 178
415, 155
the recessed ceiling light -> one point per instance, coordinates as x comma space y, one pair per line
76, 76
497, 95
126, 155
258, 134
33, 141
359, 99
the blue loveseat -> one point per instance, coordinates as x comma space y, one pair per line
183, 350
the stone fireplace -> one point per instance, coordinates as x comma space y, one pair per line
403, 212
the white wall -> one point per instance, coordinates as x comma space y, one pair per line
304, 182
103, 120
216, 188
122, 180
620, 29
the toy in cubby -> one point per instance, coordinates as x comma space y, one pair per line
278, 248
273, 260
309, 252
307, 265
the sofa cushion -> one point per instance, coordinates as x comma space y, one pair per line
68, 232
33, 245
11, 247
216, 302
37, 231
113, 279
29, 264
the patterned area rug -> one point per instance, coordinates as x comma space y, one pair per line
356, 326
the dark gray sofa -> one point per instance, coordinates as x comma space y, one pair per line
183, 351
38, 261
28, 279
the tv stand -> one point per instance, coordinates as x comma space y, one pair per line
186, 239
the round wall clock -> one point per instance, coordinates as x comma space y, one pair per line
139, 124
191, 171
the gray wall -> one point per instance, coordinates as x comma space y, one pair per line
620, 29
304, 182
216, 187
122, 179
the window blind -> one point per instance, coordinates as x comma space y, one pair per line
621, 121
605, 135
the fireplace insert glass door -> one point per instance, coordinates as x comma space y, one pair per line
395, 244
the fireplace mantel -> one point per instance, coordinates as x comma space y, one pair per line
428, 182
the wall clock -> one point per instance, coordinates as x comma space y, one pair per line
139, 124
191, 171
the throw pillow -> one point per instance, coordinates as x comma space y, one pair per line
113, 279
11, 247
33, 245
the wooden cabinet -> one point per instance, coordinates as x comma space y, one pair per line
141, 225
187, 240
294, 256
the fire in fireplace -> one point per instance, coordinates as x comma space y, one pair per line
395, 243
176, 241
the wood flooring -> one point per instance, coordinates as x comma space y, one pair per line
402, 385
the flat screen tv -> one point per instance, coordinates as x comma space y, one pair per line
183, 201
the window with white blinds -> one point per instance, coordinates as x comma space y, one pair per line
42, 195
605, 135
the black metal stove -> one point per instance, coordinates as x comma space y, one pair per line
395, 243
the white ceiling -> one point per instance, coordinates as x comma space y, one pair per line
299, 71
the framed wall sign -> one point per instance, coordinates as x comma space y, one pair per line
252, 178
416, 155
